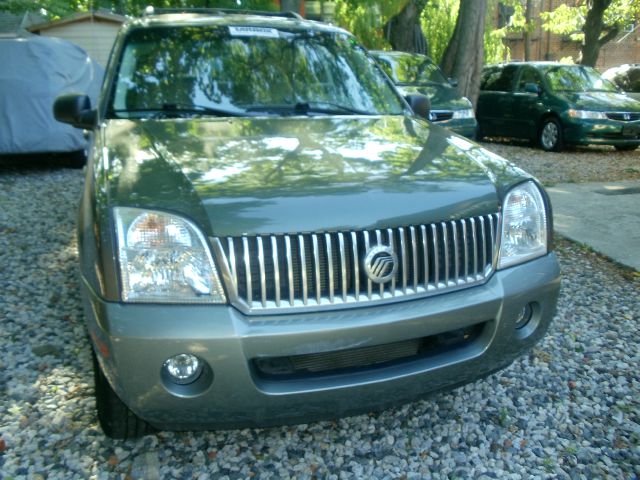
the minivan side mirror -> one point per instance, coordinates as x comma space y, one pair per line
75, 109
453, 82
420, 104
532, 88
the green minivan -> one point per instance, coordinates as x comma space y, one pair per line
556, 104
414, 73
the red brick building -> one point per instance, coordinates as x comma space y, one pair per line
625, 48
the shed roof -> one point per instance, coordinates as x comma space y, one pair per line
80, 17
11, 25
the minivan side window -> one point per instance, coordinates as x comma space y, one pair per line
499, 79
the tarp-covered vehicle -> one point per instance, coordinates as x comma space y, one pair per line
35, 70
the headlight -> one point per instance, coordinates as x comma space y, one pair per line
467, 113
587, 114
524, 226
164, 258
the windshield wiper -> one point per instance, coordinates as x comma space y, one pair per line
307, 107
176, 110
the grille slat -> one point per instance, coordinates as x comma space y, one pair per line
287, 246
379, 241
303, 270
356, 264
403, 252
623, 116
445, 241
271, 273
247, 271
367, 245
343, 266
414, 247
392, 244
436, 256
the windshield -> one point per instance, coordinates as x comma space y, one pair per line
244, 70
411, 69
576, 78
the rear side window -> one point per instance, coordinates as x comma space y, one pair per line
498, 79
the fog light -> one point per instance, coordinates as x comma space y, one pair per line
183, 368
524, 316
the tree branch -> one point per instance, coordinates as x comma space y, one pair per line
612, 32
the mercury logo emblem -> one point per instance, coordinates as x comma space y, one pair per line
380, 263
627, 116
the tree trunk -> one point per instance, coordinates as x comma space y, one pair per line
464, 56
404, 31
527, 32
291, 5
593, 29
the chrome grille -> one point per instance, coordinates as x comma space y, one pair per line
271, 273
441, 115
623, 116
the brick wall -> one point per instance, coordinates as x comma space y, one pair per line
549, 46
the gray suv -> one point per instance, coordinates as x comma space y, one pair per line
269, 235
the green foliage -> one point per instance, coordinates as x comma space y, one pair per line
495, 49
366, 19
438, 22
569, 20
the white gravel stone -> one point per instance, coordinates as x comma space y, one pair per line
567, 409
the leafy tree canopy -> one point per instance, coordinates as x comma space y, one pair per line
570, 19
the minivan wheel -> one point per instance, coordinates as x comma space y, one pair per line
116, 420
625, 148
550, 137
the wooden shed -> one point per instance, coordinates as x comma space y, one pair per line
93, 31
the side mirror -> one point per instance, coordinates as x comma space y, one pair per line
420, 104
75, 109
532, 88
453, 82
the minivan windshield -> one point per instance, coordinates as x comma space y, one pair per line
411, 69
238, 71
577, 78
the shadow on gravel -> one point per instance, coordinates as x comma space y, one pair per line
581, 149
40, 161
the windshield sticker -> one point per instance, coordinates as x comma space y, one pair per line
253, 32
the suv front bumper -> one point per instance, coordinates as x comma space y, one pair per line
132, 341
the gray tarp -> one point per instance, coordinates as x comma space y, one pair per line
33, 72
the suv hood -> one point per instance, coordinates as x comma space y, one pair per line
267, 175
603, 101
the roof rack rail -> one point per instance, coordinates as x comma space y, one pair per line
150, 10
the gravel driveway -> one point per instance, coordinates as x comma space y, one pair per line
568, 409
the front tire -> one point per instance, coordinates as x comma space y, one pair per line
625, 148
550, 136
77, 159
116, 419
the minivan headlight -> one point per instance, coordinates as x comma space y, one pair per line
587, 114
466, 113
164, 258
524, 226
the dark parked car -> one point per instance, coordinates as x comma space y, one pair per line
556, 104
415, 73
627, 78
268, 234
